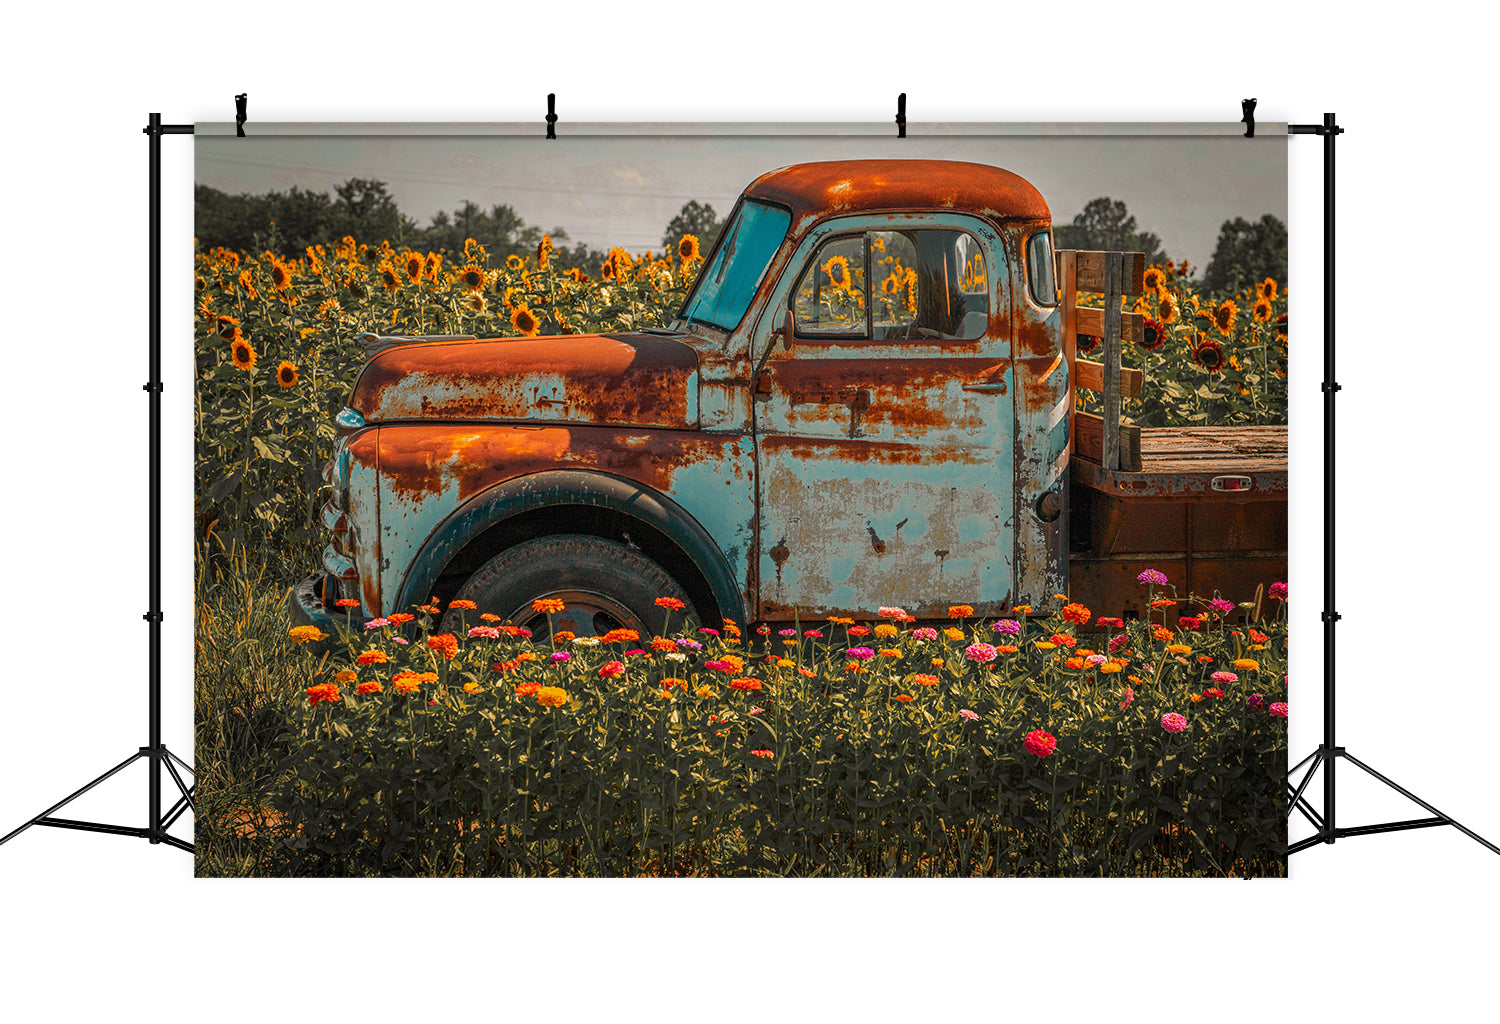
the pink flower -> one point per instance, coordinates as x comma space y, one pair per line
756, 711
611, 669
1278, 591
980, 653
487, 632
1095, 660
1109, 623
1225, 677
1040, 742
1256, 701
401, 640
1129, 697
1173, 722
891, 613
377, 623
925, 633
786, 632
815, 633
1278, 709
1118, 641
1010, 627
1151, 576
559, 656
1221, 606
966, 714
860, 653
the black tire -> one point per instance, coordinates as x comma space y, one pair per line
603, 585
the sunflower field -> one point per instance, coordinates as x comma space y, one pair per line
1220, 362
276, 350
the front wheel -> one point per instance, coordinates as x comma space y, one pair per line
602, 584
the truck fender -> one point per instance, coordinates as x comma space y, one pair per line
570, 487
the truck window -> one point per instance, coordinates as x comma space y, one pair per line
727, 283
1041, 277
922, 284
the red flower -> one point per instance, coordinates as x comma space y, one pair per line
670, 602
1040, 742
611, 669
745, 683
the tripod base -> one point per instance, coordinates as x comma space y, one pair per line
156, 832
1327, 832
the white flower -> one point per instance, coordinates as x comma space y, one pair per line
586, 641
674, 656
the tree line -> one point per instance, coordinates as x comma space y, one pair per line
1245, 254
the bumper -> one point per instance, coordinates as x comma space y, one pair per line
308, 607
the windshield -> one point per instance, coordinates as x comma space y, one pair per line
726, 285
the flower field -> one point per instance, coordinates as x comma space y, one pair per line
1061, 744
1053, 742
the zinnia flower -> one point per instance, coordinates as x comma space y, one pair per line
924, 633
1221, 606
762, 753
1256, 701
1076, 614
559, 656
888, 612
611, 669
547, 605
1151, 576
671, 603
1040, 742
980, 653
923, 679
1247, 664
960, 611
1129, 697
904, 698
370, 686
1278, 709
446, 643
1225, 677
306, 634
860, 653
745, 683
966, 714
1173, 722
1278, 591
406, 682
551, 696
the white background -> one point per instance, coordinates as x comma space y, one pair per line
1384, 927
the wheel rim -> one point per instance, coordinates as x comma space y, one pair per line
585, 613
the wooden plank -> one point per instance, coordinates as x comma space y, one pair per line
1089, 374
1067, 277
1088, 441
1114, 269
1091, 321
1091, 266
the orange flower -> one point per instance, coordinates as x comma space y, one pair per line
372, 658
1076, 613
242, 354
1074, 663
1064, 640
472, 687
1161, 633
345, 676
661, 644
401, 618
547, 605
671, 681
373, 686
306, 634
323, 691
923, 679
562, 636
616, 636
745, 683
527, 689
687, 248
406, 682
670, 603
551, 696
286, 374
953, 634
471, 277
1007, 649
904, 698
459, 602
960, 611
446, 643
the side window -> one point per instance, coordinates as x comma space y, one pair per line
1040, 275
924, 284
831, 298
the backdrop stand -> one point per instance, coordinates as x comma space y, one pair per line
1328, 754
155, 753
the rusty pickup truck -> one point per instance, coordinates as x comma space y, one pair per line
866, 399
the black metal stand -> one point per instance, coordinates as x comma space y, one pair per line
158, 756
1328, 754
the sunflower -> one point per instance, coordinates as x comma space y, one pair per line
837, 269
247, 282
389, 280
228, 327
286, 374
434, 266
414, 265
1154, 278
1223, 316
544, 252
891, 285
471, 277
911, 291
1086, 343
242, 354
1261, 311
514, 262
1153, 334
281, 275
330, 309
525, 321
607, 271
687, 248
1166, 308
1209, 355
1267, 289
477, 303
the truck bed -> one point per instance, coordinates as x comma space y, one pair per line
1185, 461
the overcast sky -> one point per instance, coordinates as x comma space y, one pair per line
623, 189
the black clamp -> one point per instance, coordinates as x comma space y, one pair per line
552, 115
1331, 616
1330, 388
1247, 117
152, 616
239, 114
154, 387
901, 116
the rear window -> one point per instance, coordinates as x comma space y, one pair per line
1041, 278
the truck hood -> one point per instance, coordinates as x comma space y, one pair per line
624, 379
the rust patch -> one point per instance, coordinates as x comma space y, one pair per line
853, 186
779, 554
876, 544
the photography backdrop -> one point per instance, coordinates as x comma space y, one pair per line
1428, 75
309, 235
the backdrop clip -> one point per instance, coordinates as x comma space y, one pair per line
1247, 116
239, 114
901, 116
552, 115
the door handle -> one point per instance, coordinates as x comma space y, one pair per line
986, 387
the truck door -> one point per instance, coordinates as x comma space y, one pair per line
884, 430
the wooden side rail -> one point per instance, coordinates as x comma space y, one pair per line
1114, 275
